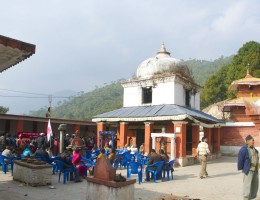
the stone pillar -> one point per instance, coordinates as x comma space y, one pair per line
180, 131
195, 138
123, 134
172, 148
19, 125
154, 142
101, 126
147, 136
62, 128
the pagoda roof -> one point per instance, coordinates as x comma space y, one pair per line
13, 51
248, 80
239, 102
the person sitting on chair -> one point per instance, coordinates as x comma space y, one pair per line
153, 159
76, 161
8, 153
112, 155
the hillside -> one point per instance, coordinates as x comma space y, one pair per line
203, 69
110, 97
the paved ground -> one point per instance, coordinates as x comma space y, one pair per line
224, 182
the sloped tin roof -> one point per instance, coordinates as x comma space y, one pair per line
156, 111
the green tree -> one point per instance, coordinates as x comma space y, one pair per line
3, 110
216, 87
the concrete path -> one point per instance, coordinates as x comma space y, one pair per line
224, 182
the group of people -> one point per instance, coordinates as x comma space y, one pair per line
156, 157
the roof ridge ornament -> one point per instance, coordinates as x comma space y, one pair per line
163, 50
248, 75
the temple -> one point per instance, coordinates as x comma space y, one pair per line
241, 115
161, 108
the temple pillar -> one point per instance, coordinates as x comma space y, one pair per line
20, 125
153, 142
195, 138
101, 126
123, 134
180, 128
76, 127
172, 148
216, 136
147, 136
208, 135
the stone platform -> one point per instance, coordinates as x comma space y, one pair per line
34, 175
110, 190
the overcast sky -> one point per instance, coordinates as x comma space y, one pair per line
81, 44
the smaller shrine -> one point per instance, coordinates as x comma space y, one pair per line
242, 115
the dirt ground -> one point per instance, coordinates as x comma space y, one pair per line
224, 182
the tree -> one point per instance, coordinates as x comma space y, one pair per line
216, 87
3, 110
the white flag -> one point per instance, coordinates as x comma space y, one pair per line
49, 130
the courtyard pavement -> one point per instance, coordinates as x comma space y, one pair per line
224, 182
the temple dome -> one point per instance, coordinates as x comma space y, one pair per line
160, 64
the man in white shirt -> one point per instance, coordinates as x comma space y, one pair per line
202, 153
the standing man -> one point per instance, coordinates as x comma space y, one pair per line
202, 153
248, 159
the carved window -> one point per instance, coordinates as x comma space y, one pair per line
147, 94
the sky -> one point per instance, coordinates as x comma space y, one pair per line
83, 44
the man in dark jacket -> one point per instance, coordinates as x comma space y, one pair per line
248, 162
153, 159
42, 141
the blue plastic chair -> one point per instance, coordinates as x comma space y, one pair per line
168, 166
156, 172
65, 169
10, 161
54, 165
118, 160
88, 154
88, 163
127, 159
135, 168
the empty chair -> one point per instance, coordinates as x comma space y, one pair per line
135, 168
168, 167
5, 161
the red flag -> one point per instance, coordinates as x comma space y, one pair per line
49, 131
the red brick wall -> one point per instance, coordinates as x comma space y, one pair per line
245, 92
235, 136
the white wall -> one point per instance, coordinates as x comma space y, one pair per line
179, 94
163, 93
132, 96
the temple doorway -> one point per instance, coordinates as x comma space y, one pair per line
189, 139
139, 137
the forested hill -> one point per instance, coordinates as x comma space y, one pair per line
202, 69
110, 97
86, 105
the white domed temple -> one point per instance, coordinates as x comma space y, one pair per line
161, 109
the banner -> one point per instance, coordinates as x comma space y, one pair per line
49, 131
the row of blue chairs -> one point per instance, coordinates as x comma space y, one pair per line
158, 169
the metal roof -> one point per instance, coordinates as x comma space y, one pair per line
156, 111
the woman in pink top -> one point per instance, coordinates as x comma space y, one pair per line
76, 161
